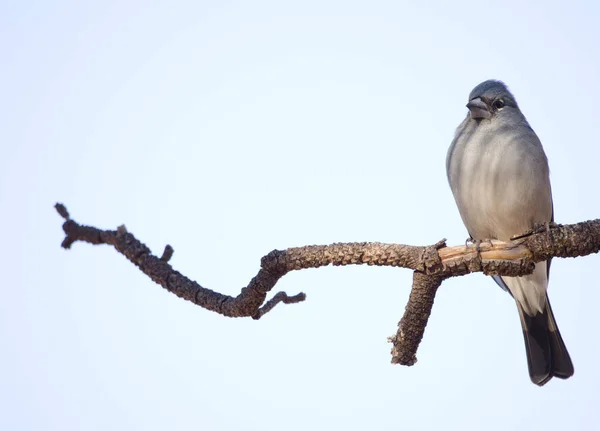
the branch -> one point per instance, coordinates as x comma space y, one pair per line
412, 326
431, 265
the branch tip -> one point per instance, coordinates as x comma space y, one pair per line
279, 297
62, 210
440, 244
167, 254
412, 325
67, 242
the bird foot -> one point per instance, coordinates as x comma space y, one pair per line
475, 242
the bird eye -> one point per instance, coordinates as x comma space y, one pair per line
498, 104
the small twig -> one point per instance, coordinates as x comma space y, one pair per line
62, 210
279, 297
167, 253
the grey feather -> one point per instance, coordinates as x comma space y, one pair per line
499, 176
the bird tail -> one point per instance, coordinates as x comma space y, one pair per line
547, 355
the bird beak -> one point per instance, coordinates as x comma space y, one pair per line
478, 109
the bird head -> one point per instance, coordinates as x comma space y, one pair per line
489, 99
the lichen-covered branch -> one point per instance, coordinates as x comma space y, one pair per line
431, 265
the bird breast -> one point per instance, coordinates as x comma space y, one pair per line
500, 182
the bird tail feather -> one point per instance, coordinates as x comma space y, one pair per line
547, 355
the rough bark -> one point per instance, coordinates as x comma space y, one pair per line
431, 265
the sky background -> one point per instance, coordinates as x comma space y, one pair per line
228, 129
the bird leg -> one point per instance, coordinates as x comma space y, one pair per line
477, 244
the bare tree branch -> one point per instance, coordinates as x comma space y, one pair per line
412, 326
431, 265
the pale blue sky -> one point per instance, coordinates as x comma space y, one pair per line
228, 129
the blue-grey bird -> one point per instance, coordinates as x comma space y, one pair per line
499, 176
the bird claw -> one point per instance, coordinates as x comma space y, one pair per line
475, 242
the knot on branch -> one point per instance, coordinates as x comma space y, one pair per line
431, 259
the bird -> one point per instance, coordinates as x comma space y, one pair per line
500, 179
